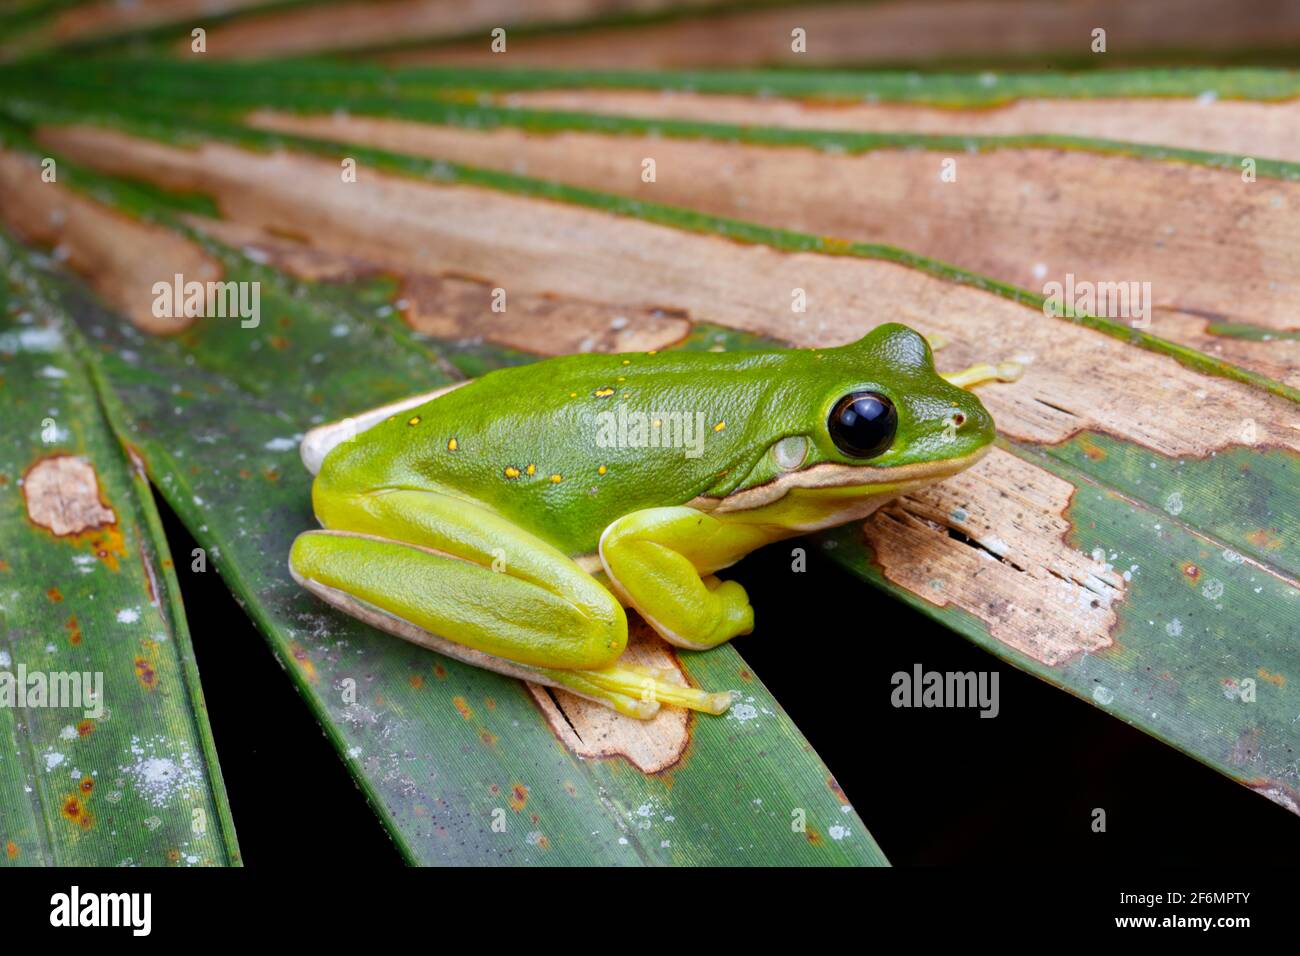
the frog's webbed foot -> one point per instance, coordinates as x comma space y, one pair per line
450, 575
983, 372
661, 561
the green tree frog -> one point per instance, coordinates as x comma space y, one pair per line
509, 521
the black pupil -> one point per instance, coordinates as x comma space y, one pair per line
863, 424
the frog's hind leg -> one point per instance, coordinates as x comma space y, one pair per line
452, 575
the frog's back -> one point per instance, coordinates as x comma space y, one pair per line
565, 446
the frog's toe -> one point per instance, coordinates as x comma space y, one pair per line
984, 372
651, 685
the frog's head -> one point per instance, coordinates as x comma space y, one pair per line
859, 425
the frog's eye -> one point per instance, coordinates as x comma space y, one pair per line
862, 424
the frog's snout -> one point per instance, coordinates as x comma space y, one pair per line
975, 421
967, 422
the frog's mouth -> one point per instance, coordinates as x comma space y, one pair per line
830, 494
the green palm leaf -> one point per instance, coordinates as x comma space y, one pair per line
113, 762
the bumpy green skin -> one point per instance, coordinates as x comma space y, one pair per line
548, 415
457, 523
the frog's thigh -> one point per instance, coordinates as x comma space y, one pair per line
655, 558
466, 577
463, 572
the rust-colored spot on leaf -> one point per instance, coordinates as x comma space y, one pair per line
107, 544
85, 727
54, 594
299, 654
11, 850
86, 786
1263, 538
72, 809
462, 707
278, 342
489, 738
1190, 571
813, 837
1276, 680
489, 703
62, 495
74, 630
835, 247
836, 789
439, 672
1089, 448
518, 797
173, 855
145, 673
416, 681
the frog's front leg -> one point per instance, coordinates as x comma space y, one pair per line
661, 562
450, 574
